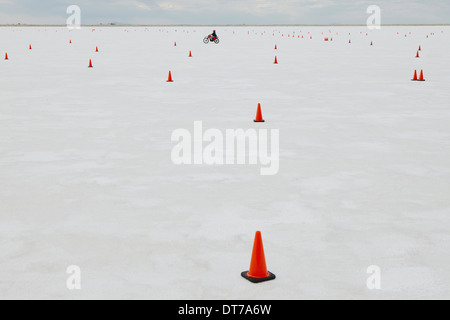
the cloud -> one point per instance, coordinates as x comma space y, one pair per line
139, 4
166, 5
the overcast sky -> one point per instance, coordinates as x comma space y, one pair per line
225, 11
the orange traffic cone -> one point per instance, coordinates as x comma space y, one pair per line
276, 47
6, 56
259, 117
30, 47
349, 41
415, 76
96, 49
258, 269
421, 76
190, 54
90, 63
70, 41
175, 44
420, 48
276, 60
170, 77
417, 55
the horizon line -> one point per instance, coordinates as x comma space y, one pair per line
218, 25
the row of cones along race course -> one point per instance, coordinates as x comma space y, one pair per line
258, 269
420, 77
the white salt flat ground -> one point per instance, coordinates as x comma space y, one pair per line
87, 179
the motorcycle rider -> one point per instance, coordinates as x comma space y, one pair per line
213, 35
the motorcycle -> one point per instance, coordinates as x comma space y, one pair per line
210, 38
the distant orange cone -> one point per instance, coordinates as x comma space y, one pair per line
90, 63
170, 77
190, 54
417, 55
6, 56
420, 48
276, 47
96, 49
258, 269
259, 117
70, 41
31, 47
349, 41
276, 60
421, 76
371, 43
415, 76
175, 44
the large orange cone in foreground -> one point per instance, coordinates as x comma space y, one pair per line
258, 269
6, 56
415, 76
259, 117
90, 63
170, 77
